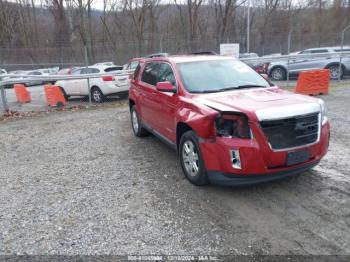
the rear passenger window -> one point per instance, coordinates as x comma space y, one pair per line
320, 51
90, 71
114, 68
344, 50
150, 74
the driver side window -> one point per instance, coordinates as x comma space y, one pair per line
166, 74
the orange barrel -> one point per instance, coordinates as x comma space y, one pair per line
54, 96
22, 94
315, 82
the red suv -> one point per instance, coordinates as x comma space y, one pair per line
229, 125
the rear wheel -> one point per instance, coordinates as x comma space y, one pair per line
191, 159
334, 71
278, 73
138, 130
97, 95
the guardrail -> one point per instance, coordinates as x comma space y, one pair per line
337, 55
9, 79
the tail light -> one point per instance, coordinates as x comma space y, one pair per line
233, 125
108, 78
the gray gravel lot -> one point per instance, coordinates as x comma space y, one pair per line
81, 183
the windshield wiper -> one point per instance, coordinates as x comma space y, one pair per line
248, 86
228, 89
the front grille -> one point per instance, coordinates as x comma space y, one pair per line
291, 132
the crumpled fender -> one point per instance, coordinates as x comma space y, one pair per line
199, 117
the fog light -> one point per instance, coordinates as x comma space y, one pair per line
235, 158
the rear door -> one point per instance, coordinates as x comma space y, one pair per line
146, 85
305, 61
71, 86
82, 84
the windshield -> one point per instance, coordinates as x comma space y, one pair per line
219, 75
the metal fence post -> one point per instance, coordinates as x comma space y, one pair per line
341, 50
288, 52
5, 105
86, 66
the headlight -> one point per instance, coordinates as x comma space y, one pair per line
324, 117
233, 125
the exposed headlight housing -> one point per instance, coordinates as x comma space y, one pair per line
233, 125
324, 117
235, 158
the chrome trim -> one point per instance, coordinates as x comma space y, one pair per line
288, 111
302, 146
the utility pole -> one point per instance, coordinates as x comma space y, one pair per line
288, 52
248, 27
341, 50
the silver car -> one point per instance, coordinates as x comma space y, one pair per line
324, 57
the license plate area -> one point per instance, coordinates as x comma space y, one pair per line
297, 157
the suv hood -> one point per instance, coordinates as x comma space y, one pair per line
265, 104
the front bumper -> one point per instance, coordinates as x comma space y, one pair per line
259, 163
221, 179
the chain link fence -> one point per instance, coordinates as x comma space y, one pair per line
80, 90
278, 50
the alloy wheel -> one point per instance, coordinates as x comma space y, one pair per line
135, 121
277, 74
334, 70
190, 158
96, 95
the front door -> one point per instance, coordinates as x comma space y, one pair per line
165, 121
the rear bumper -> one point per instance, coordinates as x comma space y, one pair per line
114, 89
219, 178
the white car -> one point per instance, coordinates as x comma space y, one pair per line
24, 79
99, 87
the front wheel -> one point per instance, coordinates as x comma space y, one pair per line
278, 73
191, 159
334, 72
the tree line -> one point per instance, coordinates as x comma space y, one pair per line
64, 30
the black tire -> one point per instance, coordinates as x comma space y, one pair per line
64, 93
278, 73
138, 130
335, 71
197, 178
96, 95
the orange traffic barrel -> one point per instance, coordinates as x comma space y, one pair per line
22, 94
313, 82
54, 96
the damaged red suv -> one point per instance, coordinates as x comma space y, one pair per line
228, 124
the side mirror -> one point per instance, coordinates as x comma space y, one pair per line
265, 76
165, 87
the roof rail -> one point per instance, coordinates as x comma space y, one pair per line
157, 55
204, 53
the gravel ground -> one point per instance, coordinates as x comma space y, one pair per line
81, 183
